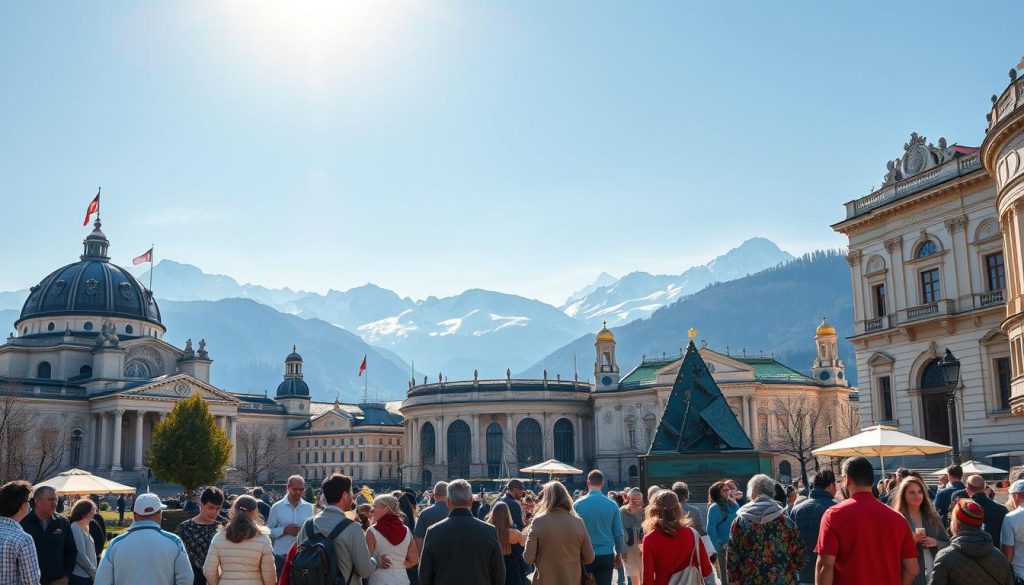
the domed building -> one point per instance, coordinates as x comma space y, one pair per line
89, 366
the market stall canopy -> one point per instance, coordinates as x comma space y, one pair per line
552, 467
881, 441
76, 482
976, 468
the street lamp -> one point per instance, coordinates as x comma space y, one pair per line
950, 367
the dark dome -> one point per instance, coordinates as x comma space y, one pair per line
91, 286
292, 387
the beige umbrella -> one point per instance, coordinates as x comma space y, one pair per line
552, 467
881, 441
975, 468
76, 482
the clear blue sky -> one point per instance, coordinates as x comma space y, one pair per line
434, 147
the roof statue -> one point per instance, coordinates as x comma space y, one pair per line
697, 419
919, 155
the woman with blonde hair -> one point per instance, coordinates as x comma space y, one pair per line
670, 545
557, 543
910, 498
241, 553
501, 519
390, 536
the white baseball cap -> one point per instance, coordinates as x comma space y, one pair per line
148, 504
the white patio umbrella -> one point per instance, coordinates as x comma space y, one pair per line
77, 482
976, 468
552, 467
881, 441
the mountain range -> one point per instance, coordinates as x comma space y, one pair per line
773, 312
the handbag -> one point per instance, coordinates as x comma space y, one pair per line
585, 577
690, 575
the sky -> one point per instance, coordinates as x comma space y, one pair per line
432, 147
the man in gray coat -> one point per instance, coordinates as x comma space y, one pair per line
461, 549
350, 546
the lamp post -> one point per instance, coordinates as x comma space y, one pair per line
950, 367
831, 460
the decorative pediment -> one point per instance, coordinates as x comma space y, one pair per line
880, 359
919, 155
181, 386
993, 337
332, 420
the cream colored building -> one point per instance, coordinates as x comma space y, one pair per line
89, 367
929, 274
1002, 153
492, 428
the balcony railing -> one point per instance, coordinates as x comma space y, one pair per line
995, 297
878, 323
949, 170
927, 310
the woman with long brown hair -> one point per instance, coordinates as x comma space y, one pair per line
557, 543
241, 553
501, 519
670, 545
910, 498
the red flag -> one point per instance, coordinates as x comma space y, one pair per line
146, 256
94, 207
362, 366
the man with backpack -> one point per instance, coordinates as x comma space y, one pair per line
331, 548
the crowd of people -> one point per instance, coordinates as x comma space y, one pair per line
898, 531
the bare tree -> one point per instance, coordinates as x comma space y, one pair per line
259, 449
30, 448
798, 430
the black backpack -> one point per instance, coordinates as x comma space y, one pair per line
315, 562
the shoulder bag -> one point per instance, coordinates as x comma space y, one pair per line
690, 575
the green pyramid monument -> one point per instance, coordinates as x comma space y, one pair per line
699, 440
697, 418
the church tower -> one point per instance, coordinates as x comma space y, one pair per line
606, 369
828, 369
293, 391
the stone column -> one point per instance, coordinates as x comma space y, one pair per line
140, 417
90, 451
232, 423
579, 437
101, 458
475, 438
115, 459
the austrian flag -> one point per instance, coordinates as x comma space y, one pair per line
94, 207
146, 256
362, 366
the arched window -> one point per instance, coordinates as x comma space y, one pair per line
785, 472
428, 451
529, 446
931, 376
136, 369
75, 452
85, 370
458, 449
634, 474
43, 371
926, 249
564, 441
495, 448
650, 422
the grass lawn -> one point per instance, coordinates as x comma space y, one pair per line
111, 519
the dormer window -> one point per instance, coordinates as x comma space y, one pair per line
928, 248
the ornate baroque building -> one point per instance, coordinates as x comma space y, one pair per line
493, 428
1001, 153
934, 257
89, 364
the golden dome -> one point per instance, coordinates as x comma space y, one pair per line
604, 334
825, 329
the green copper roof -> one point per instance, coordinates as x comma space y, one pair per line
769, 370
646, 372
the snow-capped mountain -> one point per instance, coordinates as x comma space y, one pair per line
638, 294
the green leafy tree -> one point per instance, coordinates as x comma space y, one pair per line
188, 447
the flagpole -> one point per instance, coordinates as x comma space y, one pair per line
152, 264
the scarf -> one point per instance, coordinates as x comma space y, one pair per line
392, 528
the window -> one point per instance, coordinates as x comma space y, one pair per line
307, 456
85, 370
885, 397
631, 432
50, 326
529, 448
927, 249
427, 447
136, 369
459, 449
360, 456
129, 329
333, 455
43, 371
380, 456
931, 290
316, 457
996, 271
495, 446
87, 326
785, 471
316, 442
75, 455
1003, 378
564, 441
350, 455
879, 296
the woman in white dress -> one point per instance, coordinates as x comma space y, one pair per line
389, 536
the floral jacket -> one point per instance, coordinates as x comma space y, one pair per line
764, 545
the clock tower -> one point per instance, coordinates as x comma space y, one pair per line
828, 369
606, 369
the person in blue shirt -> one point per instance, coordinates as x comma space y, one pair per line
721, 514
944, 497
604, 526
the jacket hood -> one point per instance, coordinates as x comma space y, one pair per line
761, 510
973, 543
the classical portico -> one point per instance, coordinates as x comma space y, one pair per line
121, 424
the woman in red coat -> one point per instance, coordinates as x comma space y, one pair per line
669, 544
